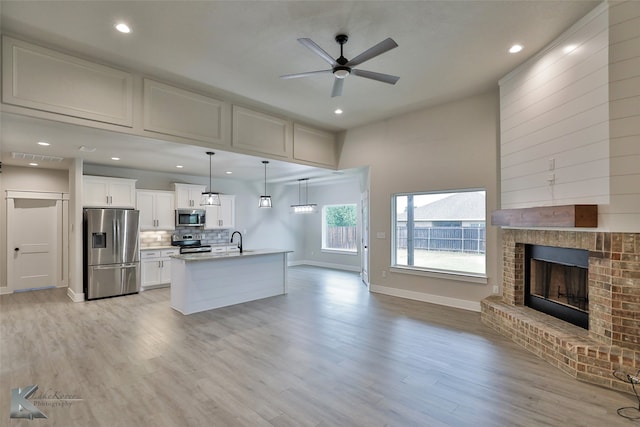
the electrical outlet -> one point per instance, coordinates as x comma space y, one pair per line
384, 273
552, 164
496, 289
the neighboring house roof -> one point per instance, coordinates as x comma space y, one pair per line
468, 206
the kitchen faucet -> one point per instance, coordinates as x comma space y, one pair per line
240, 244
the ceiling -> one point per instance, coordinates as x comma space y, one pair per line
447, 50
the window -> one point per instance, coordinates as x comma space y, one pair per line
441, 232
339, 228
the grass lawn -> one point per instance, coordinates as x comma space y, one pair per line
453, 261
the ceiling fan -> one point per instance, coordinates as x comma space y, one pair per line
342, 67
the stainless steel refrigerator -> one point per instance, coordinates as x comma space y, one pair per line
111, 255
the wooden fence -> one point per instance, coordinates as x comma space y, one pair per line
450, 239
341, 237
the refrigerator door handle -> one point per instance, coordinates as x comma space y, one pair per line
114, 266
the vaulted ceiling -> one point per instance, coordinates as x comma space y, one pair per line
446, 50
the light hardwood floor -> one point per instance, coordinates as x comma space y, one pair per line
327, 354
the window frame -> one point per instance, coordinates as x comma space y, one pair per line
323, 224
459, 275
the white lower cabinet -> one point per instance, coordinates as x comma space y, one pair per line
155, 266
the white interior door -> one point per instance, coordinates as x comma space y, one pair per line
34, 243
364, 203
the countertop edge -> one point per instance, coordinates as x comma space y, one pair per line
213, 256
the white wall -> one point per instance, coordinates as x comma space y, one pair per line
623, 213
25, 179
582, 109
342, 192
554, 109
452, 146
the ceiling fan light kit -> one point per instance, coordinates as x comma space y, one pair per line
342, 67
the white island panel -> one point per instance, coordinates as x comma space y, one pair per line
206, 282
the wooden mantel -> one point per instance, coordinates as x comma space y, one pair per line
548, 216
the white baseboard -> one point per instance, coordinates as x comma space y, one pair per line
325, 265
4, 290
74, 296
420, 296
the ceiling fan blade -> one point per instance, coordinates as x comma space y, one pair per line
337, 87
312, 46
385, 78
307, 74
372, 52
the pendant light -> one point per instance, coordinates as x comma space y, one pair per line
307, 207
265, 201
209, 198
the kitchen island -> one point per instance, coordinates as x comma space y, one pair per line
204, 281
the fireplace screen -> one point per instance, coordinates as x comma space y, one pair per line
563, 284
556, 282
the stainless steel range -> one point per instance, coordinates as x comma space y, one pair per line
189, 245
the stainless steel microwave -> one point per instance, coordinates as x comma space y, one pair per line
190, 217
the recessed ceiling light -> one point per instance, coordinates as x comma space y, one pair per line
87, 149
516, 48
123, 28
43, 143
228, 172
179, 166
115, 158
569, 48
33, 164
338, 111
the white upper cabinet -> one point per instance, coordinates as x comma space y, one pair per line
43, 79
223, 216
314, 146
261, 133
173, 111
157, 211
188, 196
106, 192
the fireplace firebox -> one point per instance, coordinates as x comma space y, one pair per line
556, 282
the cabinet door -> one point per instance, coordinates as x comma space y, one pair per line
145, 204
211, 217
122, 193
165, 211
95, 192
150, 272
226, 211
187, 196
165, 270
222, 216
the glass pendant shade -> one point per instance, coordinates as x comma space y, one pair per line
265, 201
306, 208
209, 198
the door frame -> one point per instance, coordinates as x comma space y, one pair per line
364, 235
62, 251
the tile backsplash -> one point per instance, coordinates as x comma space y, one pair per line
163, 238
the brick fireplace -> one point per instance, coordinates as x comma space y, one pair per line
613, 338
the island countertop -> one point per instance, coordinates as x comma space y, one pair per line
213, 256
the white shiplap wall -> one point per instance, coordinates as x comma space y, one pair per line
554, 117
623, 213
